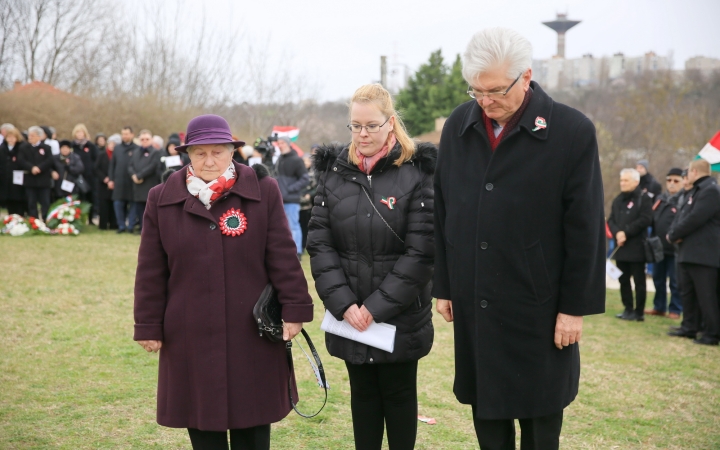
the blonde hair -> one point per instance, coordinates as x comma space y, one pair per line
15, 132
380, 97
80, 127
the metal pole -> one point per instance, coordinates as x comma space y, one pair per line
383, 71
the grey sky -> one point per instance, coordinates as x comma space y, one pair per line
338, 43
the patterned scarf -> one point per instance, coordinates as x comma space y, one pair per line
367, 163
207, 193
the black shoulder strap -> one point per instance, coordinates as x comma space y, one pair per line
317, 368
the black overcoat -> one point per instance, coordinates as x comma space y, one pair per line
519, 237
143, 164
632, 213
41, 156
9, 161
118, 171
101, 169
88, 153
664, 213
356, 258
698, 225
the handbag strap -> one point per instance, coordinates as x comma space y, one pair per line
317, 368
378, 213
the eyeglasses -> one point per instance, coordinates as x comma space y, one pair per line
355, 128
495, 95
672, 180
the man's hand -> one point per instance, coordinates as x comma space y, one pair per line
150, 346
35, 170
358, 318
621, 238
106, 180
55, 175
667, 236
444, 307
136, 180
111, 185
290, 330
568, 330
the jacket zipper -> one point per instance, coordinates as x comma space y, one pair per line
370, 180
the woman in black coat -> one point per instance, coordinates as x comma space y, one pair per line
68, 166
371, 252
105, 203
12, 195
87, 151
36, 160
630, 217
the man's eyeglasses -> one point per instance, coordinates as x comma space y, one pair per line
356, 128
494, 95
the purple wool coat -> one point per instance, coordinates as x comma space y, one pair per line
195, 289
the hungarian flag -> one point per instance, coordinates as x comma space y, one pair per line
711, 151
291, 133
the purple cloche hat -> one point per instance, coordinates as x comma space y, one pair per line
208, 129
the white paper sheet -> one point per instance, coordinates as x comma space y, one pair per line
67, 186
253, 161
612, 270
378, 335
18, 177
173, 161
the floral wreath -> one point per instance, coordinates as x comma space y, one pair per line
233, 223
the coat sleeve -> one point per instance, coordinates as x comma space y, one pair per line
281, 261
707, 204
151, 277
76, 166
131, 165
330, 280
612, 222
643, 221
24, 158
111, 168
582, 282
301, 174
98, 170
151, 167
441, 276
48, 161
414, 269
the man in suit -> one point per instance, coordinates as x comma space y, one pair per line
697, 234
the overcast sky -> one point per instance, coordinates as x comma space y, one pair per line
338, 43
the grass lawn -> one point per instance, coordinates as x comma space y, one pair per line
71, 377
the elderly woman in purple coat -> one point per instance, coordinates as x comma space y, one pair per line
214, 235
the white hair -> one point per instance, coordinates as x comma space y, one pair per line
158, 140
494, 47
7, 126
632, 172
248, 151
36, 130
115, 138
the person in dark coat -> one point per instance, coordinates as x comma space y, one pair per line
292, 178
12, 195
648, 184
36, 160
168, 156
664, 212
215, 235
107, 219
630, 216
307, 196
68, 166
520, 244
88, 153
120, 182
143, 170
697, 233
371, 252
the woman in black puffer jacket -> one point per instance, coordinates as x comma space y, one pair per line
371, 251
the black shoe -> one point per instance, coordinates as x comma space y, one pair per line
682, 333
675, 328
706, 341
120, 231
631, 316
624, 315
639, 318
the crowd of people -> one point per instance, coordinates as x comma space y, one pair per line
115, 174
685, 220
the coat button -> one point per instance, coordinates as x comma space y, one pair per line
371, 360
354, 178
213, 226
368, 214
334, 169
483, 303
484, 245
489, 187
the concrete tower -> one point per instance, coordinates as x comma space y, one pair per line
561, 25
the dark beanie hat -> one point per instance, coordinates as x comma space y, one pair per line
675, 171
173, 139
65, 143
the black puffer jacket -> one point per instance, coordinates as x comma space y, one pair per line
356, 258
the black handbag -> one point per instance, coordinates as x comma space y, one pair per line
82, 184
268, 316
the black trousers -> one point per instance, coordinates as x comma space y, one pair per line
255, 438
539, 433
384, 395
699, 291
107, 215
16, 207
305, 215
35, 195
636, 270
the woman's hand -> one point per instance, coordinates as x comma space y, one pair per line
151, 346
290, 330
358, 318
620, 238
55, 175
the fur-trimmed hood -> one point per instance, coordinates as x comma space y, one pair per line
425, 155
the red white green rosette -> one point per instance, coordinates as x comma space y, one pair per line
233, 223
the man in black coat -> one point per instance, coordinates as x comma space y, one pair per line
664, 212
697, 234
37, 162
648, 184
120, 182
630, 217
143, 173
520, 244
292, 178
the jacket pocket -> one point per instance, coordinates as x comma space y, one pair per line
538, 272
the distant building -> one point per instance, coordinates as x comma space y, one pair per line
703, 64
